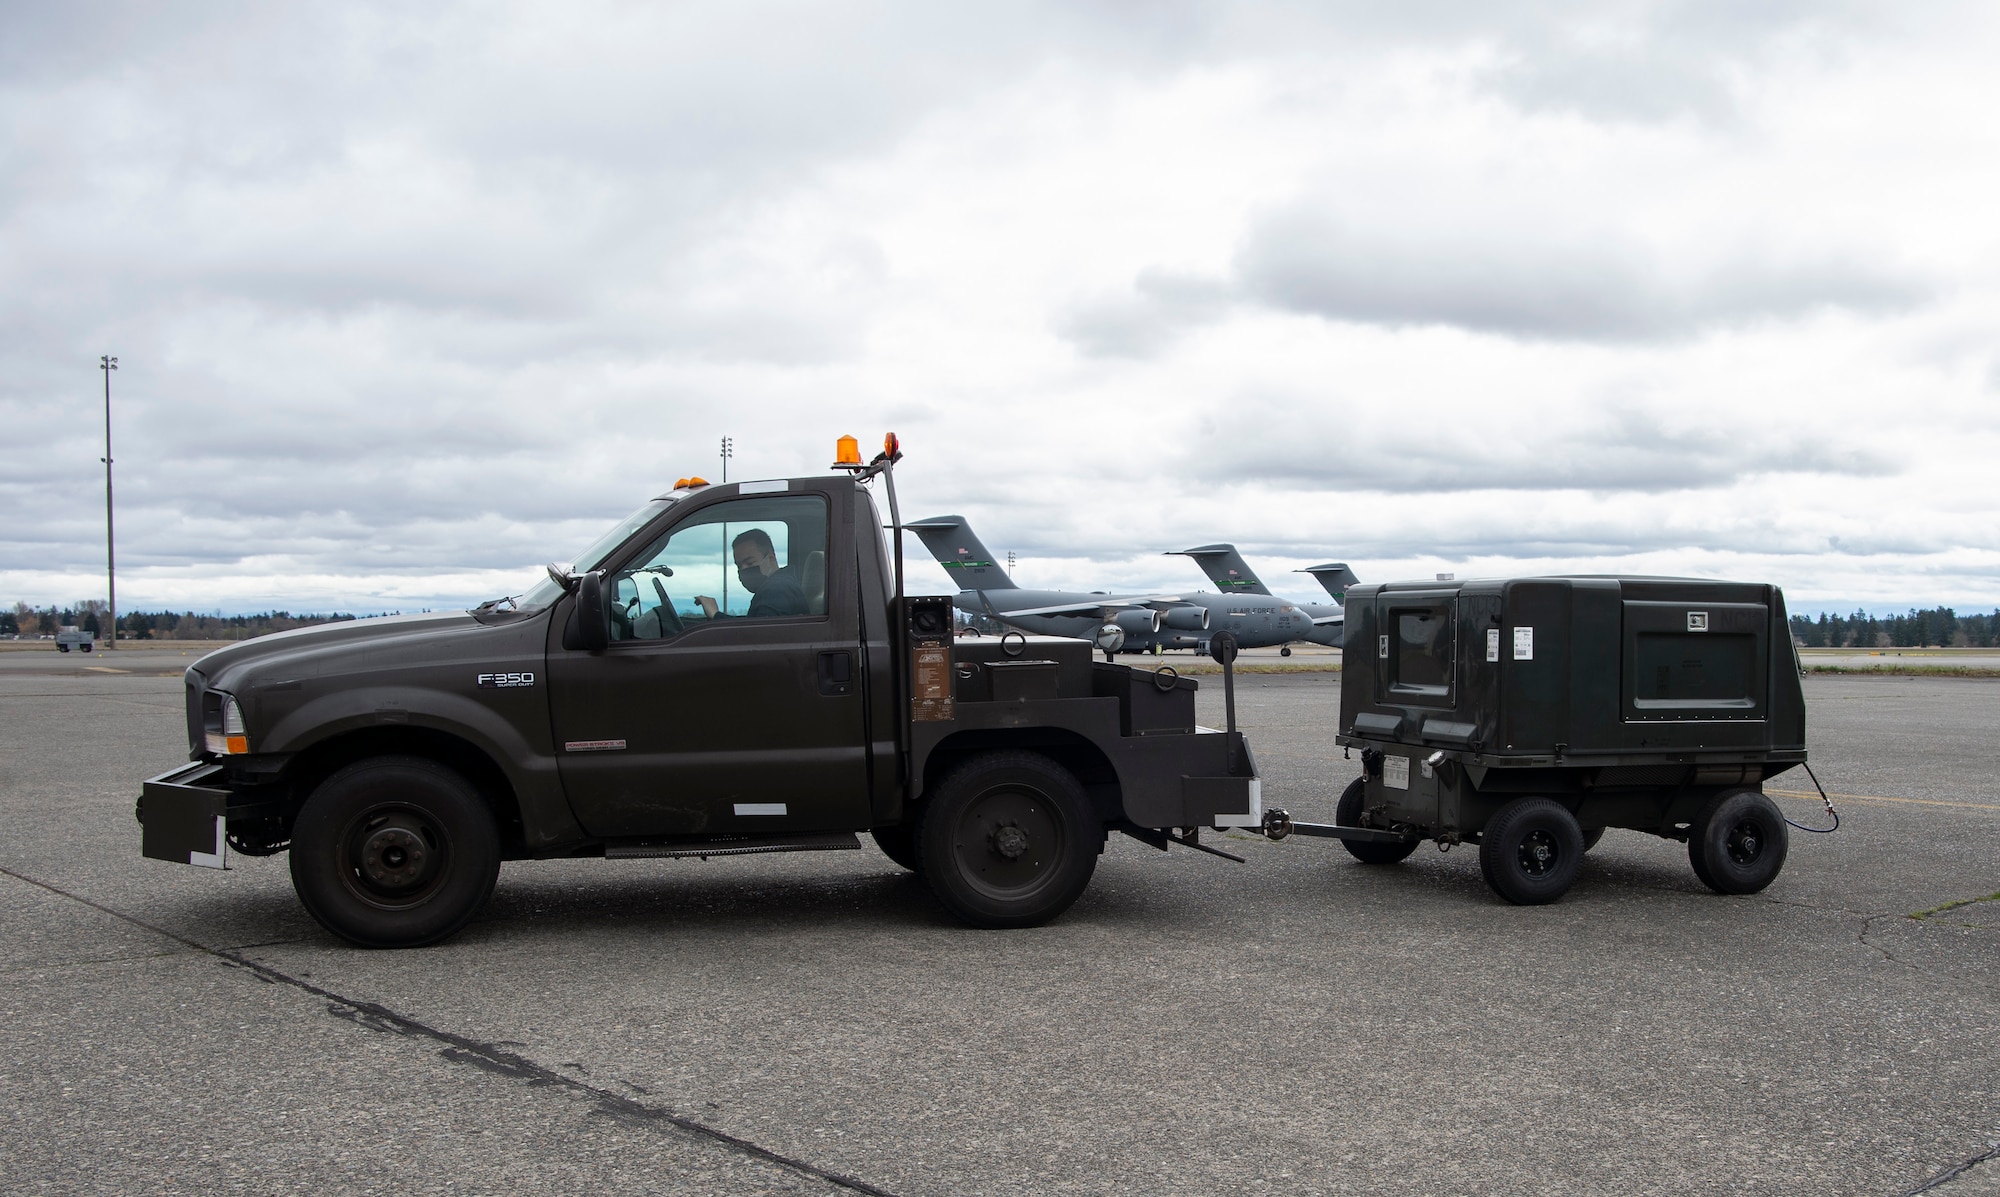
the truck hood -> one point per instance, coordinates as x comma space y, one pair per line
325, 648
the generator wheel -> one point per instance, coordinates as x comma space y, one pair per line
1530, 851
1590, 837
1347, 813
1738, 842
394, 852
899, 843
1008, 840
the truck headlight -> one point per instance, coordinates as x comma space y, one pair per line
222, 725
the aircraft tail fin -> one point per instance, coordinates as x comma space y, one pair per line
971, 565
1335, 576
1225, 567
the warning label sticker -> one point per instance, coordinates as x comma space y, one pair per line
1396, 772
1493, 644
1524, 644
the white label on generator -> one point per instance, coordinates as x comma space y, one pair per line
760, 808
1382, 647
1493, 644
1524, 644
1396, 772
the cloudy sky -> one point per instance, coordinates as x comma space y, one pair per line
410, 298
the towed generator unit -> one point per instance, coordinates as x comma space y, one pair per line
1527, 715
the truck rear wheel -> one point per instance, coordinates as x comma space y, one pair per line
1738, 842
1347, 813
1008, 840
1530, 851
394, 852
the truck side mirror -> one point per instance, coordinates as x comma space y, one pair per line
593, 620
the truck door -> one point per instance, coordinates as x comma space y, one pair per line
729, 700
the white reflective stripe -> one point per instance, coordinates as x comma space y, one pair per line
214, 860
763, 488
1254, 817
760, 808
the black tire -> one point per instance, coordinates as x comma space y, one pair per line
1285, 652
394, 852
84, 647
1530, 851
1738, 843
1008, 840
1347, 813
899, 843
62, 648
1590, 837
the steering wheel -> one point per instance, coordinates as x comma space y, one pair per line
670, 619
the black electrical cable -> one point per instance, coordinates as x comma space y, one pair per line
1823, 798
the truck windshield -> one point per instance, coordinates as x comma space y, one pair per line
547, 591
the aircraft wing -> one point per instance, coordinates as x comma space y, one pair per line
1101, 602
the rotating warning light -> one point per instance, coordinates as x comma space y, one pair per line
847, 451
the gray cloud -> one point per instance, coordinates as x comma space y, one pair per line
1409, 450
1541, 283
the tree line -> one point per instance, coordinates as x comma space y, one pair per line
1939, 627
94, 617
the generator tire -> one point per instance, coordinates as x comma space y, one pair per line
1347, 813
1590, 837
1738, 843
394, 852
899, 843
1008, 840
1530, 851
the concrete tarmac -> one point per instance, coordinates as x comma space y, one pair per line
814, 1023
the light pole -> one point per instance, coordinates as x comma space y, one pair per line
1010, 563
107, 363
728, 451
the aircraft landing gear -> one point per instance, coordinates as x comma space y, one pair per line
1285, 651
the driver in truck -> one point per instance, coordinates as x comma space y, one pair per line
774, 591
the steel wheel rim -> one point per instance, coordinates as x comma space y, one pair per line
394, 856
1745, 841
1538, 853
1007, 841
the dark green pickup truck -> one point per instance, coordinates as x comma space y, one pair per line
731, 669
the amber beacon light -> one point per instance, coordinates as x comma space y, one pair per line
847, 451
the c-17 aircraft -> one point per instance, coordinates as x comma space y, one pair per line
1117, 623
1232, 575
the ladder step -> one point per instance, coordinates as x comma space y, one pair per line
734, 845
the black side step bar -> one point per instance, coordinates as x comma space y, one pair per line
738, 845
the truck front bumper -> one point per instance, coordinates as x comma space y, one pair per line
184, 814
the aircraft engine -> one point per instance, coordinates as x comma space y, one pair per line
1143, 621
1110, 638
1187, 619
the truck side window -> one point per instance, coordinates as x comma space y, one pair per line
762, 558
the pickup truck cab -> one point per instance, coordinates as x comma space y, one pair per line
730, 669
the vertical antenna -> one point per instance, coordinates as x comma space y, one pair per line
107, 363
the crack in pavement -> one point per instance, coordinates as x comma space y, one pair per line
1955, 1171
489, 1057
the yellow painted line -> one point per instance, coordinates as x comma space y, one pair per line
103, 669
1880, 798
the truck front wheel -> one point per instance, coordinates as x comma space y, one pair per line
394, 852
1008, 840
